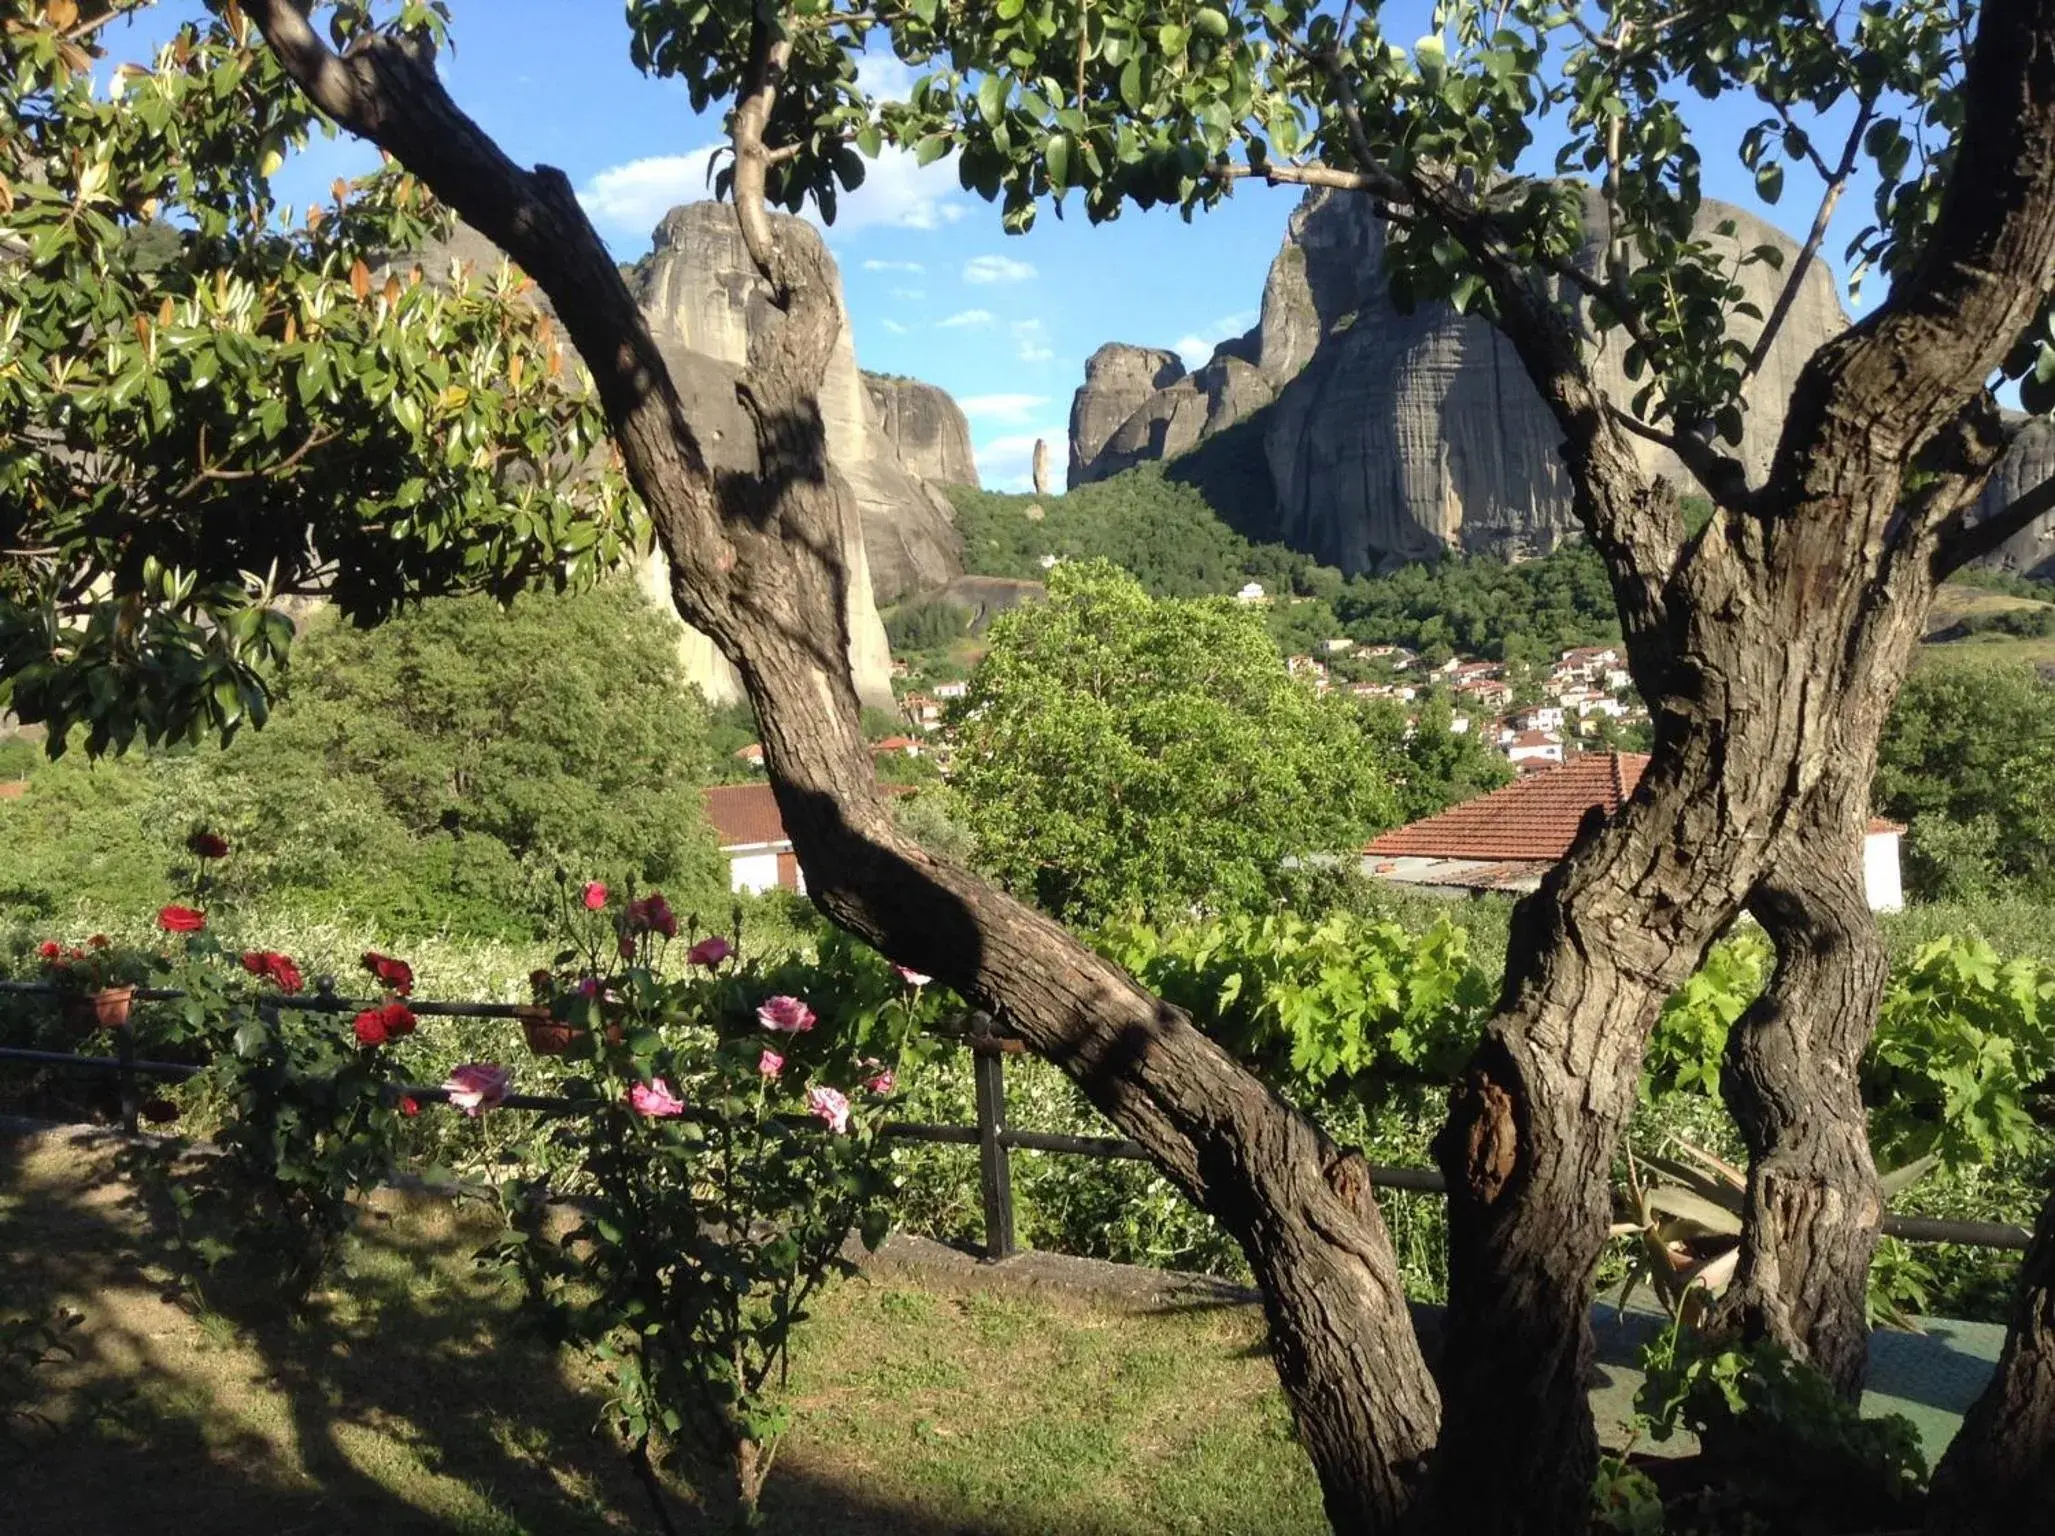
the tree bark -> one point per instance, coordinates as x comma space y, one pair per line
1998, 1476
1791, 1078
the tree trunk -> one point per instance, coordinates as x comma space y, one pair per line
1998, 1477
1791, 1079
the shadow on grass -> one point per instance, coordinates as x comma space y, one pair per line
408, 1398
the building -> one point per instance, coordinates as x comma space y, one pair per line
1508, 839
751, 835
1535, 746
751, 754
752, 838
905, 746
1250, 593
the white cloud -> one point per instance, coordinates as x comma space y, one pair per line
893, 326
909, 293
1007, 463
634, 196
997, 269
1198, 346
1008, 410
883, 75
875, 265
1031, 341
966, 317
629, 199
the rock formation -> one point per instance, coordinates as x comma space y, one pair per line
1373, 437
1040, 466
925, 426
703, 296
2030, 552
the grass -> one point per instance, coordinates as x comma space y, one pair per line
411, 1400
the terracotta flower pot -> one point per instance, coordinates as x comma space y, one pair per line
548, 1036
105, 1009
551, 1036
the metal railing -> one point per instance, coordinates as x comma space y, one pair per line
995, 1140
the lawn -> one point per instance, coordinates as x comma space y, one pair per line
412, 1401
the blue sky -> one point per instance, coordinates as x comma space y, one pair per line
935, 288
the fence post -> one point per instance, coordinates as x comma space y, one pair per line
125, 1049
995, 1167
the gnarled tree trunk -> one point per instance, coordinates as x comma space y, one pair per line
1791, 1078
1998, 1477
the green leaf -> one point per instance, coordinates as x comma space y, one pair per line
992, 98
1056, 157
1769, 181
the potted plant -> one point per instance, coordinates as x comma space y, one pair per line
98, 979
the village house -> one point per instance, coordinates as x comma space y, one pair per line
751, 754
1542, 717
1485, 693
951, 690
1586, 663
905, 746
921, 711
1252, 593
752, 838
1508, 839
1338, 647
1535, 746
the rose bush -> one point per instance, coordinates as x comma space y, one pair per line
717, 1181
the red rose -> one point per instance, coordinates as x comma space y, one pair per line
278, 968
49, 949
397, 1019
370, 1027
396, 975
652, 914
177, 919
207, 845
409, 1105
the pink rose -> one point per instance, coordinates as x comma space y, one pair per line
770, 1063
912, 978
595, 895
787, 1015
829, 1107
655, 1099
884, 1082
710, 951
477, 1086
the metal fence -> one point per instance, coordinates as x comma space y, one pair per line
995, 1140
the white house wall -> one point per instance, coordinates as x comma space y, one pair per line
1880, 873
751, 872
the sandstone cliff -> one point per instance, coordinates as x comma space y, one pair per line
926, 427
703, 296
1371, 437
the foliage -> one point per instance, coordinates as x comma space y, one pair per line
1964, 1042
212, 406
1477, 606
1968, 763
430, 774
1345, 1006
29, 1344
710, 1219
314, 1121
1789, 1450
926, 625
1163, 533
1115, 750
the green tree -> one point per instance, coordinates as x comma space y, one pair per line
1119, 751
432, 774
1968, 763
1768, 641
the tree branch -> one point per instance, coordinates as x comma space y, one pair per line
1962, 544
1788, 295
769, 52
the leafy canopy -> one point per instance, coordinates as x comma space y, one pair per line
1117, 751
210, 403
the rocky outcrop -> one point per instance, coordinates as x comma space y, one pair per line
926, 427
2031, 552
703, 295
1368, 437
1119, 380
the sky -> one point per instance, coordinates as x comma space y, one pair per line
935, 289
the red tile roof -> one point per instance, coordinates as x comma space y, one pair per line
744, 814
1535, 817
